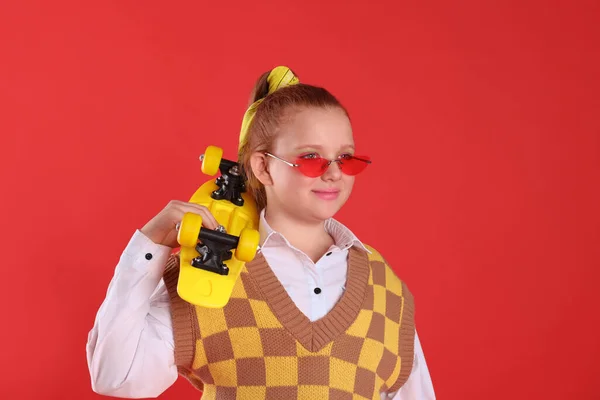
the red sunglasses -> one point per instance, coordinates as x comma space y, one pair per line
314, 167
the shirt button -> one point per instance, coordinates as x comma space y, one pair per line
317, 290
148, 256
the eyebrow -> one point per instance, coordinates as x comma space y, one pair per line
316, 146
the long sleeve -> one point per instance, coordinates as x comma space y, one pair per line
130, 349
419, 385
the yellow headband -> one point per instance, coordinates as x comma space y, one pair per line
278, 77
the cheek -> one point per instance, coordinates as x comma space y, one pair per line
288, 182
297, 183
348, 182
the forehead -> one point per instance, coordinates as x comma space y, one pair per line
329, 128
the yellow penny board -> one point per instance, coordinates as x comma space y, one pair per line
206, 288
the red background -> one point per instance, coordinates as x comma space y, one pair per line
482, 120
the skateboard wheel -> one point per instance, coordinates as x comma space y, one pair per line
189, 230
247, 245
212, 160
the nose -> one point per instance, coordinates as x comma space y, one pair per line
333, 171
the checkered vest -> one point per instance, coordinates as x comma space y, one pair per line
261, 346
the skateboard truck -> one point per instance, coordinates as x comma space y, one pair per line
231, 183
214, 249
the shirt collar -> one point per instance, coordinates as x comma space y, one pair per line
343, 237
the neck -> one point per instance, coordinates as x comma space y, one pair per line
307, 236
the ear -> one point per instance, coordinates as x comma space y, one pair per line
258, 162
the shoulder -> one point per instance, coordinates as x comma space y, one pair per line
383, 274
375, 257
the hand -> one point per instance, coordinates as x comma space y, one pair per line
161, 228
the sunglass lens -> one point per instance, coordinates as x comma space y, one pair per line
312, 167
354, 165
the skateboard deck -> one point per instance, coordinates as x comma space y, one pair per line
210, 261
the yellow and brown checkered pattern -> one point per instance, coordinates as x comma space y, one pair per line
261, 346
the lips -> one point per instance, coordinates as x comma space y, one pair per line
327, 194
327, 191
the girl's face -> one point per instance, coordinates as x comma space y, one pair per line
308, 133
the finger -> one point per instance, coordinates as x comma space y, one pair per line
206, 212
185, 206
208, 220
212, 217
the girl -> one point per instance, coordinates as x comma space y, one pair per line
317, 314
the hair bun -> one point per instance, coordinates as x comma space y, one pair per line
281, 76
278, 78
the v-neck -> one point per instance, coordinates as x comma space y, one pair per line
314, 335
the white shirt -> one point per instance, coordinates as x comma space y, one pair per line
130, 349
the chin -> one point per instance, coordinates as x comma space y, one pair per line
326, 211
322, 215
